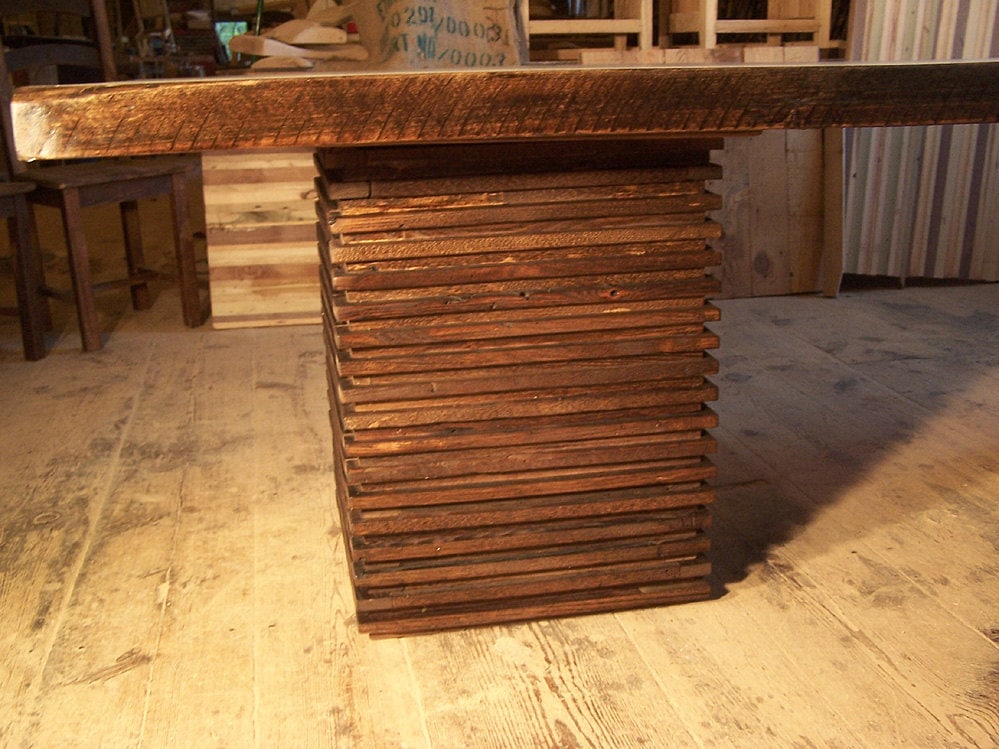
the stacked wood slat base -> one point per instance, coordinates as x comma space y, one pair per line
517, 360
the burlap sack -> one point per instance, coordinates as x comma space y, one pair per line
420, 34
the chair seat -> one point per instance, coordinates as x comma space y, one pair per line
106, 171
10, 189
75, 186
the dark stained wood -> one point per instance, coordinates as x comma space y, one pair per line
493, 105
653, 423
30, 309
517, 380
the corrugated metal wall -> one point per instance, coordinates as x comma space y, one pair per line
923, 201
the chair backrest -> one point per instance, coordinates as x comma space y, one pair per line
10, 166
75, 42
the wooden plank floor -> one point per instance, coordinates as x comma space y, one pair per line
171, 573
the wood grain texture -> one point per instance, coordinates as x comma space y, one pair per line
510, 104
517, 381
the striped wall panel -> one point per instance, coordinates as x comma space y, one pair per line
923, 202
261, 226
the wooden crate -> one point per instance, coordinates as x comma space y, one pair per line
517, 360
712, 26
566, 38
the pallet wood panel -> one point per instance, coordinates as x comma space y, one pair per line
518, 379
260, 219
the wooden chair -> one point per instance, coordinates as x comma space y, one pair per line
75, 186
14, 208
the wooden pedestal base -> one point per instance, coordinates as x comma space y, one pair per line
517, 373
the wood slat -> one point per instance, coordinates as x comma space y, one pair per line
652, 548
517, 187
522, 377
561, 519
527, 608
474, 216
358, 335
399, 541
527, 431
397, 249
449, 491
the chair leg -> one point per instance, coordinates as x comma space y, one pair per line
30, 303
133, 252
190, 298
39, 268
79, 269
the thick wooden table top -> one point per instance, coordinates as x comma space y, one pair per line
175, 116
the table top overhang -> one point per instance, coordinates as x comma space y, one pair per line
508, 104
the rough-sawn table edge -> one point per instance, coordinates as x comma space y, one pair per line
452, 106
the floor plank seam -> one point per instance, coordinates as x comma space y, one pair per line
417, 692
164, 601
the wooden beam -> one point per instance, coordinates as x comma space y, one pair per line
170, 116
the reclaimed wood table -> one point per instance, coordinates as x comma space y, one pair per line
514, 271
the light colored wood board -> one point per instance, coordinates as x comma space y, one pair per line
769, 238
242, 255
772, 213
215, 175
225, 197
53, 499
260, 216
308, 649
940, 675
832, 211
254, 214
296, 234
294, 296
552, 683
262, 159
207, 588
805, 208
266, 320
274, 273
735, 271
